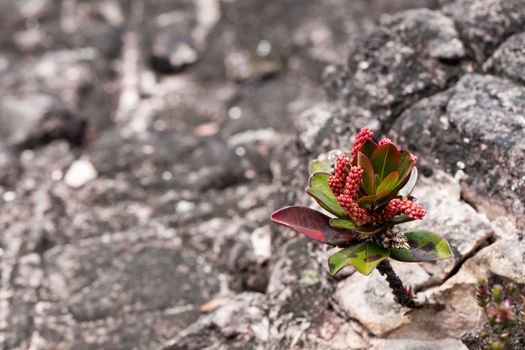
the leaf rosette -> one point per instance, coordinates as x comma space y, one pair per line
368, 192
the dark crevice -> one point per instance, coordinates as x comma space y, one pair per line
58, 124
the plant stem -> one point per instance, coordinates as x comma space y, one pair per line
400, 293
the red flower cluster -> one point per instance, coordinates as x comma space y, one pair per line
348, 198
337, 181
345, 183
364, 135
401, 206
384, 141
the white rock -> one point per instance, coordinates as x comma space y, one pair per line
261, 239
370, 300
413, 344
80, 173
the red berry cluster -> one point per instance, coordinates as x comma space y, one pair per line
346, 181
360, 215
384, 141
364, 135
341, 168
401, 206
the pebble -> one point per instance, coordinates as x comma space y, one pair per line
80, 173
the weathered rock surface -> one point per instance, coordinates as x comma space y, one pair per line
484, 25
400, 62
508, 60
411, 344
475, 131
164, 241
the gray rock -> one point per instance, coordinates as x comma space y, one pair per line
450, 217
474, 131
509, 58
19, 116
376, 308
413, 344
390, 69
172, 44
485, 24
430, 32
241, 323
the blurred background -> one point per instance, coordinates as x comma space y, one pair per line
140, 143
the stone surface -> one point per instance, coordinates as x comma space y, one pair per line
449, 216
508, 60
19, 116
398, 63
80, 173
170, 245
474, 130
410, 344
376, 308
486, 24
172, 45
430, 32
242, 319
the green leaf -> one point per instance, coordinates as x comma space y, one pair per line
424, 246
385, 159
349, 224
342, 223
317, 165
368, 201
364, 257
322, 193
368, 148
406, 163
400, 219
368, 179
411, 183
389, 182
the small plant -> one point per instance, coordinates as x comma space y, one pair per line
368, 192
505, 319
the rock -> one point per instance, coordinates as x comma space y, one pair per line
509, 59
503, 258
430, 32
450, 217
56, 124
19, 116
385, 72
132, 281
376, 309
392, 67
10, 168
413, 344
80, 173
452, 306
172, 44
484, 25
242, 66
474, 131
241, 323
298, 293
309, 125
30, 272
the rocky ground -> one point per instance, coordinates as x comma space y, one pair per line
144, 145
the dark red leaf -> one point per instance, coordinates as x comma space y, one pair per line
312, 224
